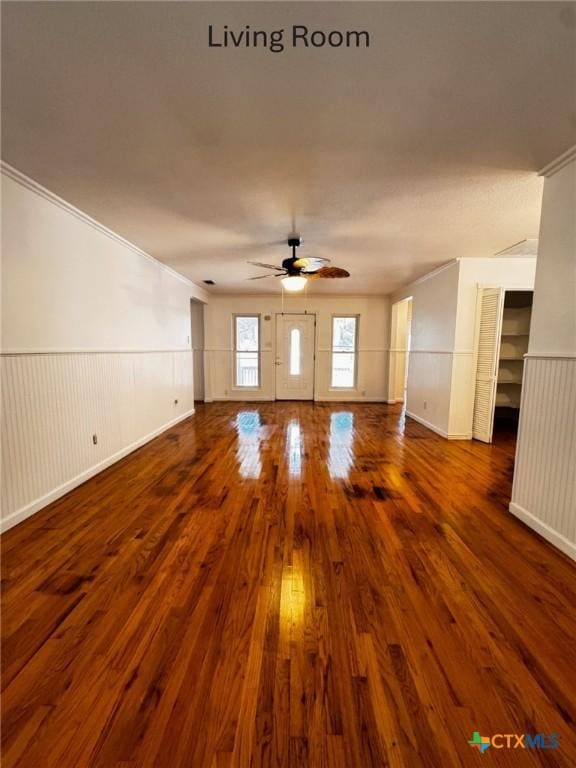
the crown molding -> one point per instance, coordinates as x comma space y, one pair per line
399, 295
38, 189
559, 162
301, 295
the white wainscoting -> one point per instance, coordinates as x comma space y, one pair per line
397, 369
52, 405
370, 387
544, 491
462, 394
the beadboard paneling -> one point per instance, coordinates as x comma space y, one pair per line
52, 405
371, 377
544, 491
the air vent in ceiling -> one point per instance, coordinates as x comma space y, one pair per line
209, 282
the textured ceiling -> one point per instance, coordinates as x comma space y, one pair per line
391, 160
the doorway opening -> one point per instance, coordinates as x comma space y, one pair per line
197, 343
503, 336
400, 350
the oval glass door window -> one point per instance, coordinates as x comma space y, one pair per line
295, 352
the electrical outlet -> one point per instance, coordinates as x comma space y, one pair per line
175, 402
95, 439
425, 404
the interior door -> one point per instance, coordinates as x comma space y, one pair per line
491, 306
295, 357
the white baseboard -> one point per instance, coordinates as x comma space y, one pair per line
268, 399
393, 401
438, 430
355, 399
24, 512
555, 538
236, 399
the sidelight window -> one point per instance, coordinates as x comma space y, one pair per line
344, 352
247, 350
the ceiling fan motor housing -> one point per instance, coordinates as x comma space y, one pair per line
294, 241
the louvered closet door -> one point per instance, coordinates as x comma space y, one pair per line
491, 302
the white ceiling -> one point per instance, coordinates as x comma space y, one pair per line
392, 160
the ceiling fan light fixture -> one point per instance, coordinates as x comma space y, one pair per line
294, 283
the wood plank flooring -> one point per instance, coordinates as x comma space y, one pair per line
287, 585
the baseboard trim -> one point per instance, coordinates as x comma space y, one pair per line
265, 399
340, 399
544, 530
30, 509
438, 430
255, 399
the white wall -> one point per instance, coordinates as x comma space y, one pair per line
544, 491
372, 344
434, 303
95, 340
440, 391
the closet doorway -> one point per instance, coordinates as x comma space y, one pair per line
503, 334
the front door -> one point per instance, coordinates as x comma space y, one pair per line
295, 357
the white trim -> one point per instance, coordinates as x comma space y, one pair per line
88, 351
430, 275
544, 530
559, 162
502, 254
393, 401
24, 512
34, 186
356, 399
438, 431
547, 356
405, 292
359, 349
441, 351
311, 296
253, 398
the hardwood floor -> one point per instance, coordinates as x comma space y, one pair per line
287, 585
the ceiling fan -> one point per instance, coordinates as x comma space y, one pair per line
295, 272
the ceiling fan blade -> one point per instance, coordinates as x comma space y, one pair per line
311, 264
330, 272
264, 266
259, 277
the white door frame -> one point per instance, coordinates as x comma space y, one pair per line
399, 352
315, 342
